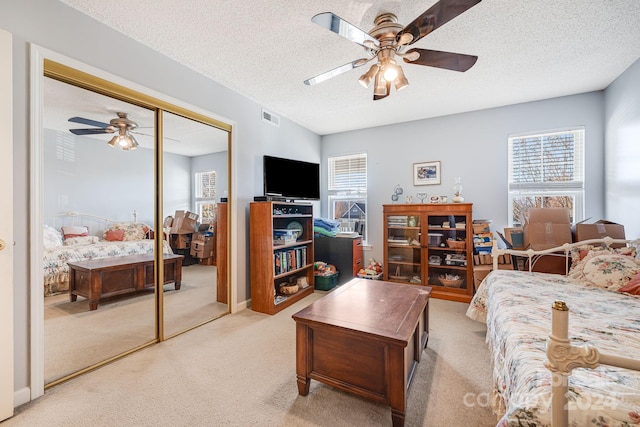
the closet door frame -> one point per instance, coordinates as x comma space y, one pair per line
45, 62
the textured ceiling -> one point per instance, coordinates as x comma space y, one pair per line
264, 50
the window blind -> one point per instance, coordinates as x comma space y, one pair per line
348, 173
206, 185
547, 162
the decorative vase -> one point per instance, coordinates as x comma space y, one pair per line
457, 190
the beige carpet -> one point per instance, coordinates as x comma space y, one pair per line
240, 371
76, 338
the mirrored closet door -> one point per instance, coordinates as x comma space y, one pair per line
195, 163
98, 203
118, 166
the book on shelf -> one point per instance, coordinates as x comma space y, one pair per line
289, 259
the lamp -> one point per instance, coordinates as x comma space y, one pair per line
366, 78
380, 86
401, 81
124, 140
390, 70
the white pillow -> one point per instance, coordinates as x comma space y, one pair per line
52, 238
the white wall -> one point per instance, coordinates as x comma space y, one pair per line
57, 27
622, 121
473, 146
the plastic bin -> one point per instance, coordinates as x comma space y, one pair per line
325, 282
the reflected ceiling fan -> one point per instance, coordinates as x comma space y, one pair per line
388, 40
122, 125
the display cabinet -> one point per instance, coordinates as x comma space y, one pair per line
430, 245
281, 254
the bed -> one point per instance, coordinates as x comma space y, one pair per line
601, 289
77, 237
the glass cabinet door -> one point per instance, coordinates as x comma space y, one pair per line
404, 239
447, 251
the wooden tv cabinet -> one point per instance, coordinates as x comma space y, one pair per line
104, 277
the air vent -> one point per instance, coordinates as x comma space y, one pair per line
271, 118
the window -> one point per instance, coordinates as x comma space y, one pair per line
206, 195
347, 192
546, 170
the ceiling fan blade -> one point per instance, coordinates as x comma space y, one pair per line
447, 60
341, 27
89, 131
88, 122
147, 134
336, 71
435, 17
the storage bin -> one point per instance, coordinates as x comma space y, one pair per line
435, 239
325, 282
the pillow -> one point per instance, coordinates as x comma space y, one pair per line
114, 235
81, 240
132, 230
74, 231
610, 272
633, 286
52, 238
579, 253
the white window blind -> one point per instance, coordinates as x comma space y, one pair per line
206, 185
348, 173
546, 170
347, 190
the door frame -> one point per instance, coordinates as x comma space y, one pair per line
6, 228
38, 56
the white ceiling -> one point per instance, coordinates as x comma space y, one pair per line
265, 49
181, 136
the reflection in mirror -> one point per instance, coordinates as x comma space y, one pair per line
195, 179
98, 210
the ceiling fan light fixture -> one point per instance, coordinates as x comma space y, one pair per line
390, 71
366, 79
380, 87
401, 81
124, 140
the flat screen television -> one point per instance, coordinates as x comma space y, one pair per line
291, 179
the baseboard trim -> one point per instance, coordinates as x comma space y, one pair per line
243, 305
22, 396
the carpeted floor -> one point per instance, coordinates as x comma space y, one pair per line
240, 371
76, 338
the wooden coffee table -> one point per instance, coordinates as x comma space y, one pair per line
103, 277
366, 337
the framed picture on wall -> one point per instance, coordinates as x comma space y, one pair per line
426, 173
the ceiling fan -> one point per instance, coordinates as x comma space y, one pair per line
388, 40
122, 125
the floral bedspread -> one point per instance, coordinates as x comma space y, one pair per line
516, 306
56, 270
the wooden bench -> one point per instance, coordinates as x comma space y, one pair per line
105, 277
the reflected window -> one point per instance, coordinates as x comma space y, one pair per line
205, 194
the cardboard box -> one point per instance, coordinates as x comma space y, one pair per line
482, 271
547, 228
515, 237
184, 222
201, 248
201, 253
599, 230
180, 241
